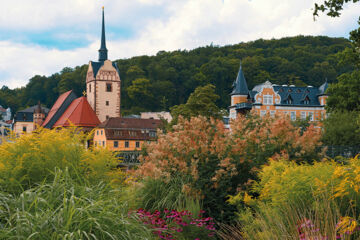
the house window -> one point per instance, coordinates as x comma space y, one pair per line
103, 143
97, 132
107, 103
268, 99
89, 87
311, 116
137, 144
101, 132
272, 113
24, 128
99, 143
116, 144
306, 101
262, 113
108, 87
126, 144
303, 115
293, 116
107, 116
152, 134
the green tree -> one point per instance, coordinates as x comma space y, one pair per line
331, 7
200, 103
140, 92
344, 95
342, 128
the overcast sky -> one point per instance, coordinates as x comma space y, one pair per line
44, 36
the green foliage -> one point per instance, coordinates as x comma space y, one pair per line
332, 7
344, 95
175, 75
63, 209
200, 103
31, 159
342, 128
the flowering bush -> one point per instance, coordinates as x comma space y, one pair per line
32, 158
174, 224
318, 200
215, 162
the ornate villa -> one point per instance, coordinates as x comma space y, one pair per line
267, 98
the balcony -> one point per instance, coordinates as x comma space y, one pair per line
243, 106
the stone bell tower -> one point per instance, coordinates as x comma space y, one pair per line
103, 83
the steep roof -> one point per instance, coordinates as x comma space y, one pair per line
298, 95
323, 88
103, 52
240, 85
79, 113
130, 123
61, 104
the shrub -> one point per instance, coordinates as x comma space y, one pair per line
31, 159
214, 162
289, 196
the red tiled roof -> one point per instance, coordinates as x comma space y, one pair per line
56, 106
79, 113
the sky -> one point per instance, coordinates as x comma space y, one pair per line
41, 37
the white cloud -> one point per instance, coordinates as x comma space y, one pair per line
157, 25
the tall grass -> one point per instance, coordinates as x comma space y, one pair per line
63, 209
156, 194
269, 223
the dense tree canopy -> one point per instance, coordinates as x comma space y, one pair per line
168, 78
201, 102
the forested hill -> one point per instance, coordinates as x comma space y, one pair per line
154, 83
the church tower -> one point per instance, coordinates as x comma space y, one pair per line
103, 83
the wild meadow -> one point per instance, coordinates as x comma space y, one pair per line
266, 178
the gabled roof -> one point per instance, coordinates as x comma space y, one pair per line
97, 65
130, 123
240, 85
57, 110
79, 113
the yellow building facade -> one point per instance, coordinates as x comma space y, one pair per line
125, 134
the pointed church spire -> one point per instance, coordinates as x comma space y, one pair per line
103, 52
240, 85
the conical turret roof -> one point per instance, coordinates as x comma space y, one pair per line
240, 85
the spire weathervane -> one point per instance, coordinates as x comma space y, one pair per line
103, 52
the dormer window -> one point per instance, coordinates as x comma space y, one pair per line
289, 100
306, 100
